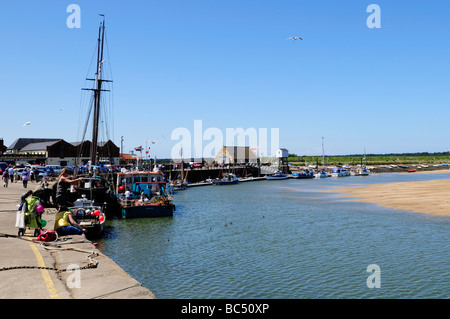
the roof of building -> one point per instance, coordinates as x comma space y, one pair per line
22, 142
236, 151
40, 146
128, 156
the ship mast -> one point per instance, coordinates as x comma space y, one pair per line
97, 92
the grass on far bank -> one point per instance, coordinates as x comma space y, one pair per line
435, 158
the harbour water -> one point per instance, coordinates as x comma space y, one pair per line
284, 240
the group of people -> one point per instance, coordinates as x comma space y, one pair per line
65, 224
10, 174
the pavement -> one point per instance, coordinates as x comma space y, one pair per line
69, 268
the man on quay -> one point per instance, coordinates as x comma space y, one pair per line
11, 173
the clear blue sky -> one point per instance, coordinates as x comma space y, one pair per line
230, 64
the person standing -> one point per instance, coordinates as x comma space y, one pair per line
5, 177
25, 177
62, 188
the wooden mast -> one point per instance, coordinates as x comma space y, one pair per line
97, 92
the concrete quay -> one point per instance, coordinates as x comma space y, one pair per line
35, 270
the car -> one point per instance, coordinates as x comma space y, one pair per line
44, 172
56, 168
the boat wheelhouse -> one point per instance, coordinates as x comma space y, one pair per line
143, 194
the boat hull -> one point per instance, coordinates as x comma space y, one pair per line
276, 177
302, 176
225, 182
145, 211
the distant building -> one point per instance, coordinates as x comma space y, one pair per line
235, 154
3, 148
20, 143
59, 152
126, 159
282, 153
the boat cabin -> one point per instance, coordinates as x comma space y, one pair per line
149, 183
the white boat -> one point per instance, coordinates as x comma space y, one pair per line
340, 172
277, 175
362, 172
321, 174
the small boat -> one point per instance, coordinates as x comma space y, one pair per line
411, 170
277, 175
340, 172
177, 185
321, 174
143, 194
227, 179
305, 173
363, 171
89, 216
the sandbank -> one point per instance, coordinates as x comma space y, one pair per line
428, 197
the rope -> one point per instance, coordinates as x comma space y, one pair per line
88, 266
92, 262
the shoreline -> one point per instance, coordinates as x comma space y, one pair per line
426, 197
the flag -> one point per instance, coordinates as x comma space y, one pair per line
138, 149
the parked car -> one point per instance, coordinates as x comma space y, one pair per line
43, 172
56, 168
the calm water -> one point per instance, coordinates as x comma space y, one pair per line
281, 239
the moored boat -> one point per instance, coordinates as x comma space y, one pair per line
89, 216
340, 172
143, 194
304, 174
363, 171
277, 175
227, 179
321, 174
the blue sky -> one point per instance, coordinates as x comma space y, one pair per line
230, 64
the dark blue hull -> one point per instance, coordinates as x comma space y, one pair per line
148, 211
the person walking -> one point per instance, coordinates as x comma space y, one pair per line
11, 173
5, 177
16, 175
25, 177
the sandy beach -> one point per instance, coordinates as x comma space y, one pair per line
429, 197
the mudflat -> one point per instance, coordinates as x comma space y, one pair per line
428, 197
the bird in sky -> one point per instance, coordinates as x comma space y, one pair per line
61, 109
295, 38
27, 123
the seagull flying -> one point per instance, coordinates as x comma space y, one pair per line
295, 38
27, 123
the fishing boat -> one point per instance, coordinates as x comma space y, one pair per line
143, 194
304, 174
227, 179
340, 172
277, 175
